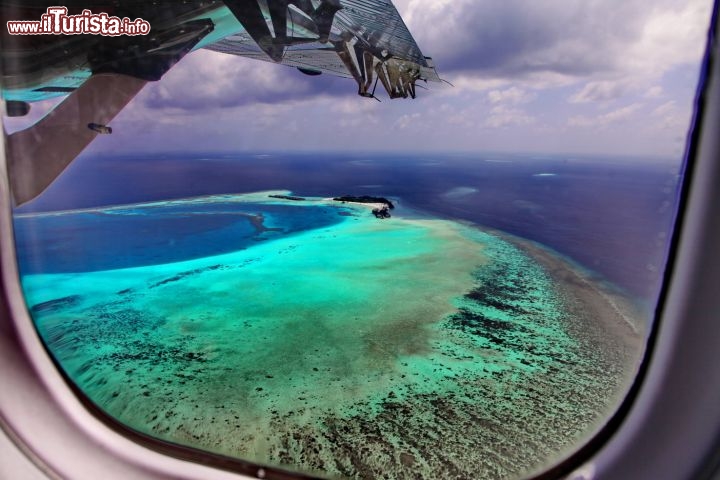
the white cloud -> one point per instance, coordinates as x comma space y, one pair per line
354, 105
654, 92
600, 91
406, 121
605, 119
467, 83
615, 46
503, 116
671, 117
665, 109
206, 80
674, 34
512, 95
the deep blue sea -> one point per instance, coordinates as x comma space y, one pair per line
611, 215
91, 240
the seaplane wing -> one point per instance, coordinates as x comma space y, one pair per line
99, 72
366, 40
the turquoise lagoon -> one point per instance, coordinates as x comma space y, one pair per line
311, 336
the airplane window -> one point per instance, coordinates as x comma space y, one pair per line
452, 273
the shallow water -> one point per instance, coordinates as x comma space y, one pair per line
351, 347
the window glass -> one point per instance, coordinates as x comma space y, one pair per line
451, 274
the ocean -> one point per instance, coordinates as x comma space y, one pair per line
610, 215
500, 312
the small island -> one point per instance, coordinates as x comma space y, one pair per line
382, 204
365, 199
288, 197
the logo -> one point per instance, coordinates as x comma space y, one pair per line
56, 21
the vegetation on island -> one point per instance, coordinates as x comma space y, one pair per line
365, 199
288, 197
381, 212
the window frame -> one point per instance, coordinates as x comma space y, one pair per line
667, 428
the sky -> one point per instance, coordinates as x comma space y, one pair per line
613, 77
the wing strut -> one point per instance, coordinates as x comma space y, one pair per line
39, 154
121, 67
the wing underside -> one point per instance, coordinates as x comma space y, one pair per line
366, 40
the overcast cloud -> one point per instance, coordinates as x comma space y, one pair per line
585, 76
